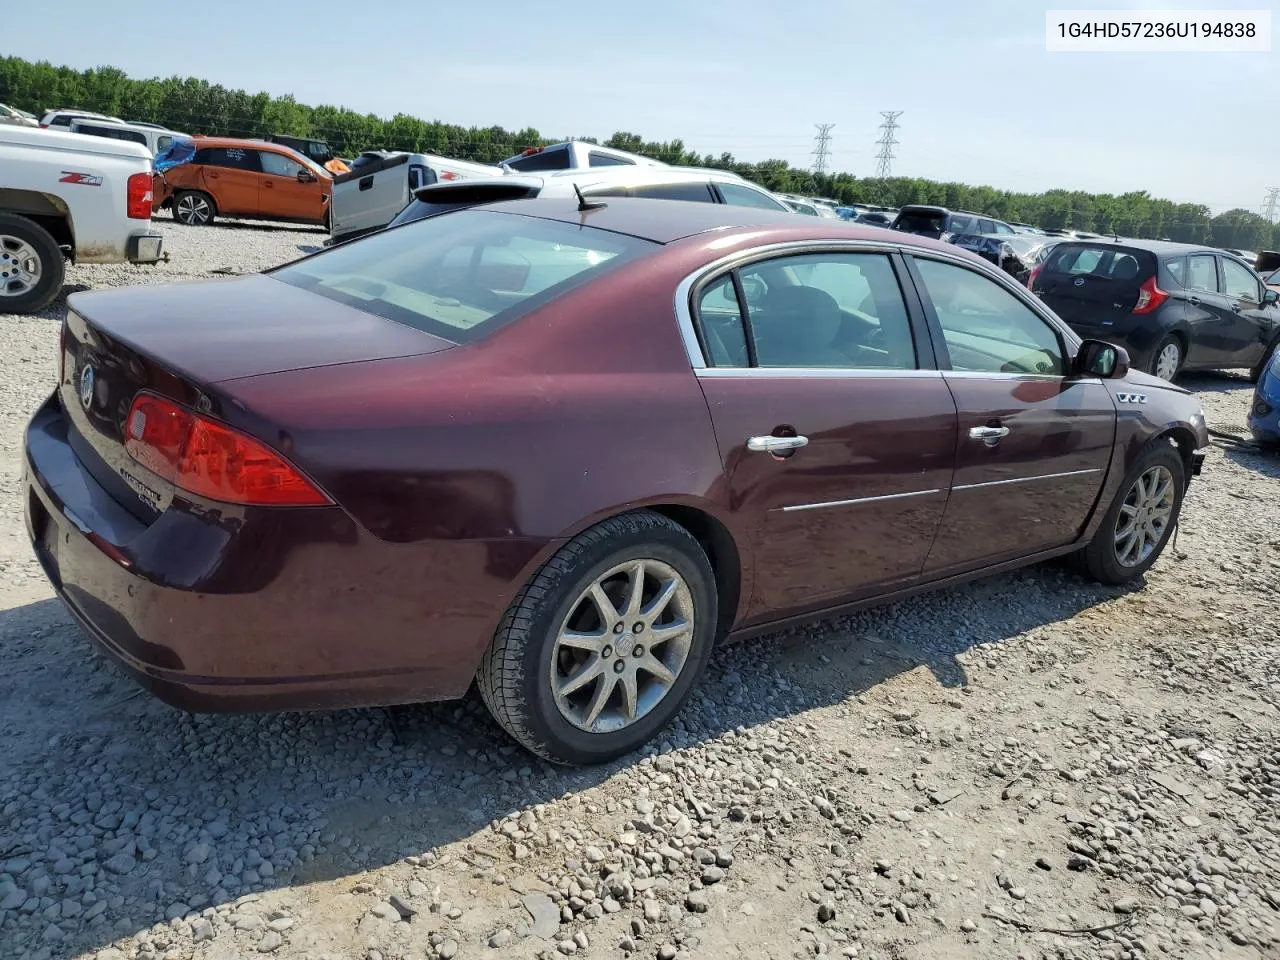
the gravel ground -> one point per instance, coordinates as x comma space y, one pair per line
1030, 766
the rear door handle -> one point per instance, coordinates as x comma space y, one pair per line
988, 435
773, 444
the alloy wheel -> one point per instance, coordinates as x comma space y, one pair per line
20, 266
621, 648
1168, 361
1144, 516
193, 210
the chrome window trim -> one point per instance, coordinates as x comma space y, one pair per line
989, 375
800, 373
848, 503
1044, 476
684, 290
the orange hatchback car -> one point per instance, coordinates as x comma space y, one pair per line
244, 178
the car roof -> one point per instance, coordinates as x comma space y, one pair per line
1159, 247
665, 221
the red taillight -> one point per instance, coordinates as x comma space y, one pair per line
1150, 297
212, 460
1035, 275
44, 126
138, 194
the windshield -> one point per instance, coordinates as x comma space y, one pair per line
462, 275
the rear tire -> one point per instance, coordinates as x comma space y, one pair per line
575, 678
194, 208
1140, 520
31, 265
1167, 359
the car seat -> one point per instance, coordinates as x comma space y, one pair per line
797, 327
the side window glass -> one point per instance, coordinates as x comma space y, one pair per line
557, 159
1003, 228
720, 322
1239, 281
986, 328
278, 165
829, 310
1202, 273
986, 226
163, 144
1177, 268
740, 196
596, 159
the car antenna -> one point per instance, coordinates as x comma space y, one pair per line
585, 204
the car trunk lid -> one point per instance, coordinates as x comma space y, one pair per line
179, 342
1093, 284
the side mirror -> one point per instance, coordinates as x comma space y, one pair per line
306, 176
1097, 358
1271, 296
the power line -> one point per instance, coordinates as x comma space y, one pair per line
884, 159
822, 147
1270, 204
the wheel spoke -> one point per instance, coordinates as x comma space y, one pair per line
656, 668
669, 631
654, 609
630, 693
603, 689
589, 671
608, 612
592, 642
635, 590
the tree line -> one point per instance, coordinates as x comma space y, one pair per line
197, 106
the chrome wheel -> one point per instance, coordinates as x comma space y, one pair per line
194, 210
620, 650
1144, 516
1168, 361
20, 266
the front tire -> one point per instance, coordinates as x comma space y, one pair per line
1141, 519
1167, 360
31, 265
602, 647
193, 208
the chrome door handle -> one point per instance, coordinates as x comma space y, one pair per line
773, 444
988, 434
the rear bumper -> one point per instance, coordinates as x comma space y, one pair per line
145, 248
223, 609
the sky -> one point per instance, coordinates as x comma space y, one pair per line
982, 100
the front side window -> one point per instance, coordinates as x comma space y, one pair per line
1202, 273
1238, 281
278, 165
840, 311
739, 196
461, 275
986, 328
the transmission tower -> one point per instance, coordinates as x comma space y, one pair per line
1270, 204
822, 147
884, 159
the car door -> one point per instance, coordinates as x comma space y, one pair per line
1033, 444
1252, 321
231, 175
836, 432
1209, 315
283, 195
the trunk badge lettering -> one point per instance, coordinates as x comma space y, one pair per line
86, 386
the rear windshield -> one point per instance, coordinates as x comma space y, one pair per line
920, 221
1101, 262
456, 199
462, 275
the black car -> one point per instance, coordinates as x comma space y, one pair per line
1173, 306
941, 223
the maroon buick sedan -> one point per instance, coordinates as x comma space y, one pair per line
562, 451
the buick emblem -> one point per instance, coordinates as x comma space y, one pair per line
1079, 281
86, 387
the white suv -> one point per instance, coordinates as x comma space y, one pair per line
655, 183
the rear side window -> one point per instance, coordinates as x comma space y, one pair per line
60, 120
557, 159
463, 275
699, 192
958, 223
1177, 269
597, 159
1202, 273
236, 158
739, 196
112, 133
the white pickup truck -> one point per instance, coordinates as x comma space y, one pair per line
68, 195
